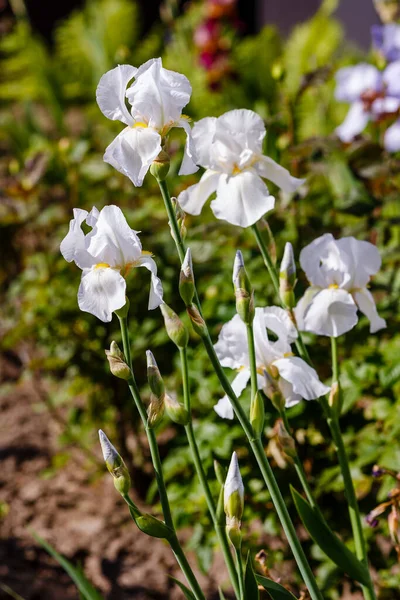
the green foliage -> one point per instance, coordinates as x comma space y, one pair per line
53, 137
275, 590
84, 586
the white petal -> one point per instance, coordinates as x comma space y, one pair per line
310, 259
304, 379
101, 292
189, 162
302, 306
194, 197
286, 388
73, 247
110, 93
242, 199
112, 241
331, 312
391, 79
156, 290
366, 304
268, 168
277, 320
362, 260
233, 482
223, 408
354, 81
133, 151
158, 95
203, 133
266, 351
245, 127
231, 347
385, 105
355, 122
391, 139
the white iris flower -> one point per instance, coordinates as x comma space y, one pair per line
106, 255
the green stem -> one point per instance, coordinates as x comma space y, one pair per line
354, 512
240, 573
252, 360
334, 426
155, 457
220, 531
255, 444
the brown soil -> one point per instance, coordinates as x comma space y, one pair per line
85, 521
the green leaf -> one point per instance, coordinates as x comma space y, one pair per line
186, 592
221, 594
275, 590
250, 582
84, 586
328, 541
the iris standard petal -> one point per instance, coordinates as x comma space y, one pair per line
244, 126
194, 197
101, 292
73, 246
242, 199
110, 93
133, 151
362, 260
112, 241
158, 95
231, 347
366, 304
310, 259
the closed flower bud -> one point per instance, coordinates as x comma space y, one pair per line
116, 359
115, 465
154, 378
155, 411
198, 323
176, 411
180, 218
160, 166
186, 279
176, 329
153, 527
257, 414
285, 440
234, 491
287, 277
243, 291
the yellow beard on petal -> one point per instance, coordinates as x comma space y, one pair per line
102, 266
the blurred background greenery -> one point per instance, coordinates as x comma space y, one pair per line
52, 140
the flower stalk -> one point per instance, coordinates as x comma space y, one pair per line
255, 443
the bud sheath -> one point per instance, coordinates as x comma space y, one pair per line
243, 291
176, 329
186, 279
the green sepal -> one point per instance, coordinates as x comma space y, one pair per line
153, 527
328, 541
276, 591
186, 592
250, 582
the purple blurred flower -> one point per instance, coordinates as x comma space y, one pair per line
374, 95
386, 39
